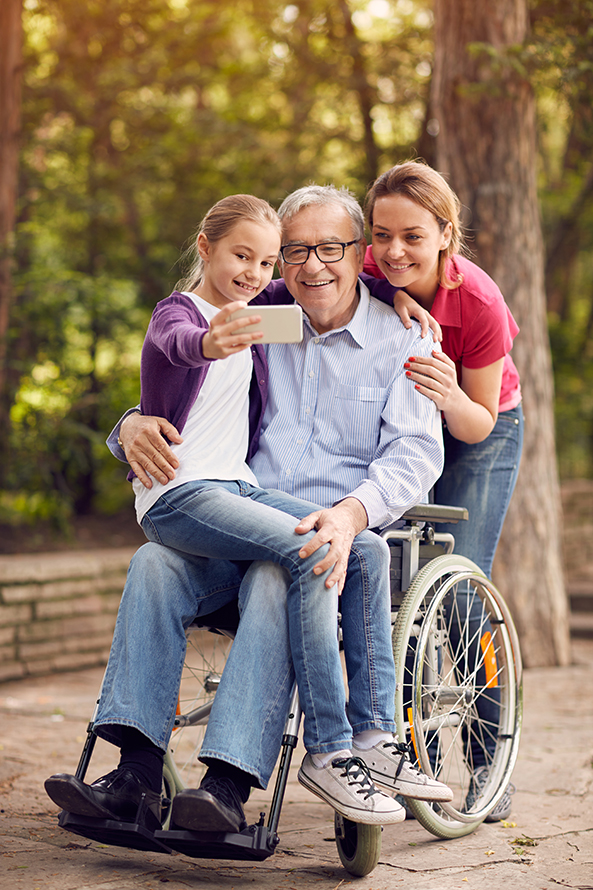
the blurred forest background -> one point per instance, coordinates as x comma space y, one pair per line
137, 115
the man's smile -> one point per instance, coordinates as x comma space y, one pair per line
316, 283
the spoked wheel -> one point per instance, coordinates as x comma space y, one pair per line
359, 846
458, 696
204, 663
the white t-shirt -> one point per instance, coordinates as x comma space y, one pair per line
216, 433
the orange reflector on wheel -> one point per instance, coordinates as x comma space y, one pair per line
412, 734
490, 666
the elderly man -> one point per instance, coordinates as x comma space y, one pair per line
342, 428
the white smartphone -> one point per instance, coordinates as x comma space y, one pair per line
279, 324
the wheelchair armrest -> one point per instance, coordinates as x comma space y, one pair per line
435, 513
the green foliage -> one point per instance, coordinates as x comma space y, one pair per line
561, 54
139, 114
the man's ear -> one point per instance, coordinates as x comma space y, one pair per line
361, 250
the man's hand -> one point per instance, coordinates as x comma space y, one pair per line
337, 527
146, 449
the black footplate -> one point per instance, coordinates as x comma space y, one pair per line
254, 843
114, 833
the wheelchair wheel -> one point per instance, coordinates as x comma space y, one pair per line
458, 696
359, 846
205, 659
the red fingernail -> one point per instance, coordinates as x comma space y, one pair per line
406, 364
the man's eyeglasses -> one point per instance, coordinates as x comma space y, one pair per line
329, 252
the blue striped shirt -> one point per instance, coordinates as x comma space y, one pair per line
343, 419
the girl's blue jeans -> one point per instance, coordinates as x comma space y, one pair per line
204, 526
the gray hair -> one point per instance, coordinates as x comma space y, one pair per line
312, 195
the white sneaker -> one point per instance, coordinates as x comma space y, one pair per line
389, 766
344, 784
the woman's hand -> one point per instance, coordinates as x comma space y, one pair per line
435, 377
225, 337
407, 308
470, 408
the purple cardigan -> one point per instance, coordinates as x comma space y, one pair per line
173, 367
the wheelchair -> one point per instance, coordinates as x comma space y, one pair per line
458, 705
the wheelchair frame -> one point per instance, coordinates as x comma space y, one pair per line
439, 686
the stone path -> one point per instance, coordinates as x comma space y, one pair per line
547, 843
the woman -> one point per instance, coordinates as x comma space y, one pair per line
417, 243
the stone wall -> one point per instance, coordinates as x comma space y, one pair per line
57, 610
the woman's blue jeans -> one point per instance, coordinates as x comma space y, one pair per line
481, 477
167, 588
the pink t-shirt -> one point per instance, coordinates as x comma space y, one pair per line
478, 328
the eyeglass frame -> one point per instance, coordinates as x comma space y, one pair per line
313, 247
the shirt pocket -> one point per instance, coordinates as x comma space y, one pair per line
356, 419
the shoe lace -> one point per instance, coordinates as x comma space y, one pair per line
403, 750
357, 773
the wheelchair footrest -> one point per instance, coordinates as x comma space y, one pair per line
114, 833
254, 843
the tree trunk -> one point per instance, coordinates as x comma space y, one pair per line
487, 147
10, 110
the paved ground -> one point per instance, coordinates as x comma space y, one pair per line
547, 843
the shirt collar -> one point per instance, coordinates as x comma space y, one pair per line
357, 326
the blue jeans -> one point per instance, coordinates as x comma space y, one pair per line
166, 589
482, 478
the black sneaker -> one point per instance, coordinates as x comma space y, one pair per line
114, 796
214, 806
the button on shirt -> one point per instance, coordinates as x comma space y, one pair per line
343, 419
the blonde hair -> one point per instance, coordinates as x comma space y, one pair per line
217, 223
423, 185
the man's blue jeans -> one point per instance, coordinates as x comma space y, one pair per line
166, 589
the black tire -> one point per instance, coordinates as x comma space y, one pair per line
359, 846
451, 669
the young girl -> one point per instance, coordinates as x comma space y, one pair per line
207, 375
413, 215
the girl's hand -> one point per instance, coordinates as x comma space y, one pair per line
436, 378
225, 337
407, 308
